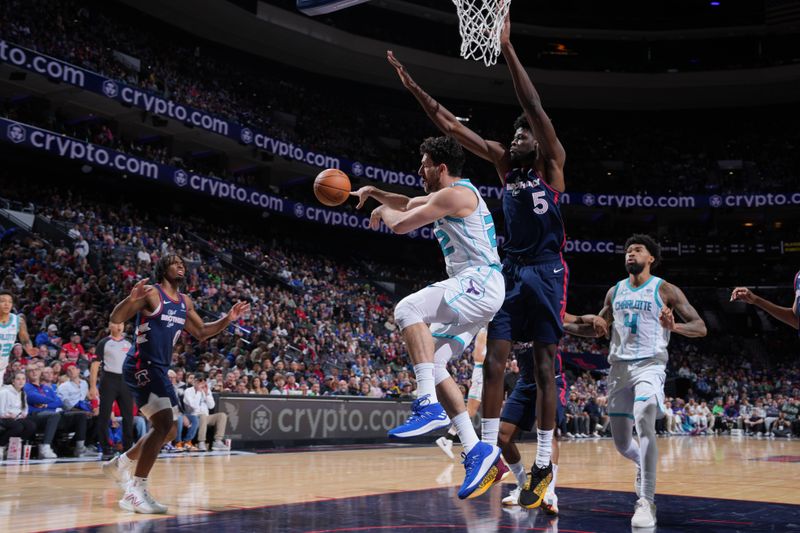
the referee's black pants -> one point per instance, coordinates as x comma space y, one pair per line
113, 388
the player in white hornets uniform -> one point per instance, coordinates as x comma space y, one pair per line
11, 327
439, 321
640, 312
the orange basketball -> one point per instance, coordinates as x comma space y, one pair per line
332, 187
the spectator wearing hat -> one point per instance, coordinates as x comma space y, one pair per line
329, 385
50, 339
73, 350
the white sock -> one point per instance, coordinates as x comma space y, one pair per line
425, 381
125, 461
518, 469
490, 427
544, 447
551, 488
465, 431
139, 482
452, 431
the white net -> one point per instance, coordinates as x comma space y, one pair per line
480, 23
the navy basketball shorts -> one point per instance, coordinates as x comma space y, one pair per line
520, 406
535, 303
151, 388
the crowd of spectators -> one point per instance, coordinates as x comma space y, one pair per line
697, 152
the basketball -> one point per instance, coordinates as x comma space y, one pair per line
332, 187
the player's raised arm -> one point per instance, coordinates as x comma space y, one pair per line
787, 315
205, 330
582, 326
692, 326
445, 202
543, 130
142, 296
449, 125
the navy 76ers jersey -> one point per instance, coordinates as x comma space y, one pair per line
534, 227
157, 332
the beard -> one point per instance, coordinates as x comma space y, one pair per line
634, 268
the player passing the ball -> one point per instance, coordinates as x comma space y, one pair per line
641, 312
162, 313
531, 170
439, 321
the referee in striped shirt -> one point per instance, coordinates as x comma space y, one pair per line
111, 353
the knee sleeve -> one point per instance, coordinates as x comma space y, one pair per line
406, 312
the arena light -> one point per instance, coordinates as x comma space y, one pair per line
715, 4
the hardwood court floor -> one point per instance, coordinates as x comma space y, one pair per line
37, 497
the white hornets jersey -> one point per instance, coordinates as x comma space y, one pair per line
637, 333
8, 336
469, 241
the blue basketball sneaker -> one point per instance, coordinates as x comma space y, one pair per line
426, 416
482, 470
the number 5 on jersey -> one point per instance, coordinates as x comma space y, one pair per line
540, 205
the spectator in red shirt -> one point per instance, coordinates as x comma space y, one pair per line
73, 350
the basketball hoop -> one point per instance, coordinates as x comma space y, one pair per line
480, 23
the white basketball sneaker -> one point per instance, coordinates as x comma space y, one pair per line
137, 499
513, 497
644, 514
446, 445
121, 474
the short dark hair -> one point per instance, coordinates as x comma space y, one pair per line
199, 376
444, 150
160, 271
6, 292
522, 122
648, 242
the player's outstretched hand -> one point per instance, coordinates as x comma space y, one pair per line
238, 310
405, 77
742, 294
140, 290
667, 319
505, 35
363, 194
600, 326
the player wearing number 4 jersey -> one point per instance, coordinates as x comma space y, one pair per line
640, 312
439, 321
531, 170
